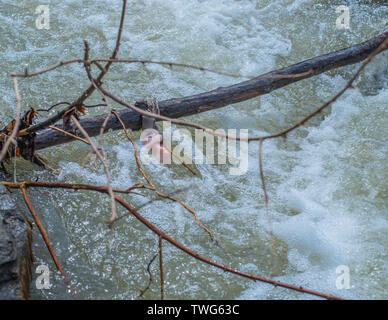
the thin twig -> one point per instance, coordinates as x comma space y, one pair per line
171, 64
57, 65
161, 269
179, 159
69, 134
149, 274
73, 186
68, 103
147, 203
45, 238
16, 126
274, 255
167, 63
92, 80
349, 85
106, 168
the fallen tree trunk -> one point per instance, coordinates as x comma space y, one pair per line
220, 97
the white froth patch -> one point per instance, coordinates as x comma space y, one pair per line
308, 237
334, 226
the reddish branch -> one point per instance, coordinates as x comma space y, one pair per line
46, 240
166, 237
161, 268
106, 168
274, 255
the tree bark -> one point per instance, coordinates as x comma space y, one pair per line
220, 97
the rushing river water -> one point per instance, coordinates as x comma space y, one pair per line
327, 183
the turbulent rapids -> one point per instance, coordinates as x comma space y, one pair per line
326, 182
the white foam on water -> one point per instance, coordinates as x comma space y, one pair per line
333, 225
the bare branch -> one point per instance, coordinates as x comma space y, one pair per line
69, 134
88, 71
45, 238
16, 126
147, 203
164, 236
274, 256
57, 65
161, 269
149, 274
106, 168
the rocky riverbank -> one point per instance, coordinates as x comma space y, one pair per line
15, 250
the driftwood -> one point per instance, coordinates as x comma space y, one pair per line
220, 97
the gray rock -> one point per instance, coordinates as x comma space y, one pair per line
15, 250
